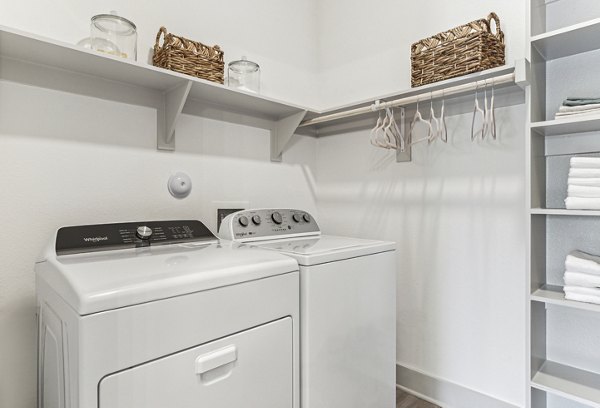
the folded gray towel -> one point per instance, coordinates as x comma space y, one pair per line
573, 101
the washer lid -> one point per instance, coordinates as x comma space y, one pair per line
95, 282
325, 248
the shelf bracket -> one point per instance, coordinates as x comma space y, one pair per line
522, 73
406, 155
173, 102
282, 132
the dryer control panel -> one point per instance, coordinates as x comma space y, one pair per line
104, 237
262, 224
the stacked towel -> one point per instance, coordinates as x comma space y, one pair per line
573, 107
582, 277
583, 191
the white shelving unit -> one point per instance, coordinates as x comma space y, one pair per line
38, 61
554, 232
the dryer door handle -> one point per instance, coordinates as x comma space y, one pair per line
214, 359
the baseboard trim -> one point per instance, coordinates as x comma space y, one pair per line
442, 392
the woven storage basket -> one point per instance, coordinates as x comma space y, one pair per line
462, 50
188, 57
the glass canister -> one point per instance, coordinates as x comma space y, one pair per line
114, 35
244, 75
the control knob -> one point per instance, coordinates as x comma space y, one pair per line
256, 219
296, 218
306, 217
276, 217
143, 232
243, 220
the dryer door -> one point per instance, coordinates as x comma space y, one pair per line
251, 369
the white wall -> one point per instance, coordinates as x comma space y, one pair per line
287, 59
365, 46
72, 159
93, 161
456, 211
63, 156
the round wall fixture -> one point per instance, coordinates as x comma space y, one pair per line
180, 185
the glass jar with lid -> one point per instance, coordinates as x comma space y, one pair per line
114, 35
244, 75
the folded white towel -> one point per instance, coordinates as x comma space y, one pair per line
587, 173
584, 181
582, 291
579, 108
583, 191
582, 279
578, 203
585, 162
590, 112
583, 298
578, 261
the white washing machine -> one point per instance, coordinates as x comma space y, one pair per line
347, 307
160, 314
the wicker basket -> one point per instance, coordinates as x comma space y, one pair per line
188, 57
465, 49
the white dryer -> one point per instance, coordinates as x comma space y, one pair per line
347, 307
160, 314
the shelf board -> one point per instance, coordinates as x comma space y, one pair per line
558, 127
554, 295
564, 42
15, 44
171, 93
562, 211
519, 69
568, 382
44, 62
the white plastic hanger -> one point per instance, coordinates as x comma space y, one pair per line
400, 132
443, 129
491, 114
388, 131
373, 134
400, 142
434, 124
418, 118
477, 110
378, 138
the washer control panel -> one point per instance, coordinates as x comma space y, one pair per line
104, 237
267, 224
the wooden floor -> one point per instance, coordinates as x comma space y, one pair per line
404, 400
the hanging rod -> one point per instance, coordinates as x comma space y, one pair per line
425, 96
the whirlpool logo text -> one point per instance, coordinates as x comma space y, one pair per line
95, 239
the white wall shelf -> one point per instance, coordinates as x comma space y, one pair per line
39, 61
572, 40
568, 382
554, 295
566, 126
176, 92
502, 77
564, 212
